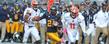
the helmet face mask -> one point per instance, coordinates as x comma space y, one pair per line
16, 7
73, 15
35, 8
74, 11
5, 7
53, 10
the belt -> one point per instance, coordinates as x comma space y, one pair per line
30, 26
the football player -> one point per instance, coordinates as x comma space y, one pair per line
73, 22
30, 28
52, 25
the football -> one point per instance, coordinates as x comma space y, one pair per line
36, 18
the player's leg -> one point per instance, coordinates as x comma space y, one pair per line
35, 34
26, 33
98, 30
72, 36
12, 30
17, 27
8, 29
56, 34
92, 37
0, 27
105, 32
13, 27
8, 26
65, 35
21, 27
80, 35
3, 31
42, 33
33, 38
108, 35
54, 37
77, 37
37, 25
87, 38
17, 32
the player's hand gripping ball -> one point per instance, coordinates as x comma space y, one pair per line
36, 18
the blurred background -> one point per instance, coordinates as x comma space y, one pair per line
45, 1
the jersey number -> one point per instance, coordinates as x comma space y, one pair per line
72, 26
49, 23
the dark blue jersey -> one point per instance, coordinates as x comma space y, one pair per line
49, 19
18, 15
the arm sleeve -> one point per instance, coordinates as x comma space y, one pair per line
25, 12
82, 23
107, 18
44, 16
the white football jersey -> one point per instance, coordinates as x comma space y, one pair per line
64, 18
72, 28
33, 13
72, 23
